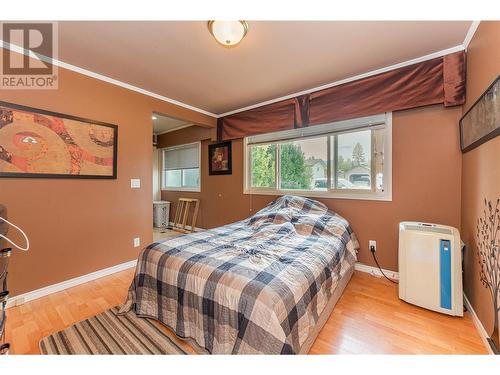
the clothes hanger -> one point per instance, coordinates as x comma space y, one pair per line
26, 248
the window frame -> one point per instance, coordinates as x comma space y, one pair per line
185, 145
326, 130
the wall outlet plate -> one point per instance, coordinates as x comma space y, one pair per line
372, 243
135, 183
137, 242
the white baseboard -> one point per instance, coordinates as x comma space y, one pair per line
375, 271
479, 326
395, 276
29, 296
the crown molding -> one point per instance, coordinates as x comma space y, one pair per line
350, 79
101, 77
470, 33
174, 129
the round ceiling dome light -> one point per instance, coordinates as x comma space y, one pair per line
228, 33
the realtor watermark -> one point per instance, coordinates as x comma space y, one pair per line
28, 53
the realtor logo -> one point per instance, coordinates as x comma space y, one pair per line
28, 51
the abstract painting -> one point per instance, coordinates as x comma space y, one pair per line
39, 143
482, 121
219, 158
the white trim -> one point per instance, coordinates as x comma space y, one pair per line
113, 81
175, 129
107, 79
470, 33
374, 271
479, 326
350, 79
354, 195
181, 189
42, 292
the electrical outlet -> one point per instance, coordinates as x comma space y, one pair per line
137, 242
372, 245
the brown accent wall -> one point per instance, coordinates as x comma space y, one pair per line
426, 183
80, 226
481, 166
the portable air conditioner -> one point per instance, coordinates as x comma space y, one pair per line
430, 267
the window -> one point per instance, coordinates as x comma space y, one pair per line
181, 168
346, 159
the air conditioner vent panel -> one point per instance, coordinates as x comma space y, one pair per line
424, 228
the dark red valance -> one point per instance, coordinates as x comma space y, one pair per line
269, 118
440, 80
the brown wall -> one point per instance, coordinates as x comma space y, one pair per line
80, 226
481, 166
426, 183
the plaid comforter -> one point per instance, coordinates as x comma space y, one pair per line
254, 286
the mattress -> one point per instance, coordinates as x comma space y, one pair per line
257, 286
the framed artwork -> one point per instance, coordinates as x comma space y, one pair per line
219, 159
482, 121
39, 143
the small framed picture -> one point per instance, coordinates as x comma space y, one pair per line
219, 159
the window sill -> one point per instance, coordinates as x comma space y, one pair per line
384, 197
181, 190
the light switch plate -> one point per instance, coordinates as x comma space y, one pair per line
135, 183
137, 242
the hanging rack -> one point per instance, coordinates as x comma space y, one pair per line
4, 263
4, 295
25, 248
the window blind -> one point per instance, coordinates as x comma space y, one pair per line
369, 122
184, 157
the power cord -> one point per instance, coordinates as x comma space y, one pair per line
372, 249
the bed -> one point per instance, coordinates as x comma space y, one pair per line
263, 285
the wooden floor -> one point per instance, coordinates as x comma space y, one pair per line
163, 233
369, 318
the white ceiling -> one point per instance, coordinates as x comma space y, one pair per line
164, 124
181, 60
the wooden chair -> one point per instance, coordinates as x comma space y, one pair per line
183, 208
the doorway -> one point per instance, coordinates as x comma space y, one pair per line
162, 125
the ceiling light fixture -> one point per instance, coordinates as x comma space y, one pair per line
228, 33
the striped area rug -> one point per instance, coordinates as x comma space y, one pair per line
109, 333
